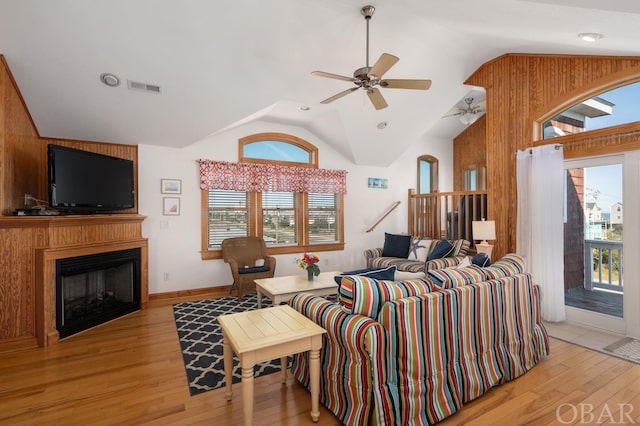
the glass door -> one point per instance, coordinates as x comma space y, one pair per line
594, 242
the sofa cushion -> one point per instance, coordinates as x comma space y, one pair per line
401, 264
365, 296
396, 245
452, 277
253, 269
442, 249
463, 263
461, 247
510, 265
406, 275
420, 248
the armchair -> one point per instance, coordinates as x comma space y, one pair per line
241, 254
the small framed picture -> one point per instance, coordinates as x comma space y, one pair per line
380, 183
171, 206
170, 186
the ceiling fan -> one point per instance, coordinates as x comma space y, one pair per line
469, 114
368, 77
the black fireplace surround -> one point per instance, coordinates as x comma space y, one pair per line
94, 289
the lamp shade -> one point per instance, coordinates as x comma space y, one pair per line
484, 230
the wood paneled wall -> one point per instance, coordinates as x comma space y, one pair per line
23, 170
520, 90
23, 153
469, 151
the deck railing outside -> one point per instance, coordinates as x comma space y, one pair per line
603, 265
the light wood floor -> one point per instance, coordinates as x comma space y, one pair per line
130, 371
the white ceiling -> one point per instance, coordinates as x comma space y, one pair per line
223, 63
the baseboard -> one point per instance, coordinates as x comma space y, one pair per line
171, 297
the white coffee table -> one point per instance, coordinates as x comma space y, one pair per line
281, 289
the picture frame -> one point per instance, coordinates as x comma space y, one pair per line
171, 206
171, 186
380, 183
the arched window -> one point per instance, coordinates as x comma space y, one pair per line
610, 108
427, 174
289, 222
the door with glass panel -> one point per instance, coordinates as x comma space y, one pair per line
594, 242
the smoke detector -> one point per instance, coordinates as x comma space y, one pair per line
109, 79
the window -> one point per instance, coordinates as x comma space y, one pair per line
610, 108
427, 174
289, 222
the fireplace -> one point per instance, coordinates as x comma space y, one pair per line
96, 288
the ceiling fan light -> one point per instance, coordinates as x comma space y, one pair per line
468, 118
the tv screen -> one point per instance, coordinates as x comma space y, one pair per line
82, 181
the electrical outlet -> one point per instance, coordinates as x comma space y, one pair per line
166, 276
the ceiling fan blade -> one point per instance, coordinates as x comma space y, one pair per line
382, 65
406, 84
454, 114
339, 95
482, 105
330, 75
376, 98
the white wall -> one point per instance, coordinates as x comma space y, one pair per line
174, 241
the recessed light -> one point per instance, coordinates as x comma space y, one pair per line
382, 125
305, 107
109, 79
590, 37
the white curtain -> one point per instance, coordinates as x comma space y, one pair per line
540, 230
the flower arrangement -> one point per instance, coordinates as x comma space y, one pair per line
309, 261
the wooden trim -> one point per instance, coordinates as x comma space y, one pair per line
281, 137
171, 297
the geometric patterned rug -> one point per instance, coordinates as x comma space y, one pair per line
201, 341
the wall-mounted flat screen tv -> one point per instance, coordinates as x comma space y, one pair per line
86, 182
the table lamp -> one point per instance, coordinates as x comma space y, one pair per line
484, 230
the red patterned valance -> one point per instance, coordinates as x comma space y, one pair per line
253, 177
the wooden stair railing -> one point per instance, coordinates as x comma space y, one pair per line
372, 227
446, 214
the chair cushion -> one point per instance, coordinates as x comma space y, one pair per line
396, 245
253, 270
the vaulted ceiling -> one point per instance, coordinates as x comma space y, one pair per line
223, 63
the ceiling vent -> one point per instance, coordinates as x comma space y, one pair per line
136, 85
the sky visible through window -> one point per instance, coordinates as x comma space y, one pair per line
603, 185
625, 110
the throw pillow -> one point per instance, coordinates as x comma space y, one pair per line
442, 249
420, 248
345, 286
463, 263
387, 273
368, 295
396, 245
406, 275
481, 259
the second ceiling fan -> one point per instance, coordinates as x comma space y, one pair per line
368, 78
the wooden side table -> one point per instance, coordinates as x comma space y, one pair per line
265, 334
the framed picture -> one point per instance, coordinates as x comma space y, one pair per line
171, 206
378, 183
171, 186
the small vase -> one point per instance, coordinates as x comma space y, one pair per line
309, 274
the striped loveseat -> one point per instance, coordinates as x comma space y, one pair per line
375, 259
414, 352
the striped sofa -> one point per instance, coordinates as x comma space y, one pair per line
413, 352
375, 259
